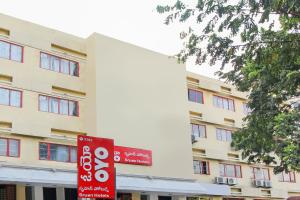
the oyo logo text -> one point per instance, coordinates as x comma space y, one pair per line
101, 175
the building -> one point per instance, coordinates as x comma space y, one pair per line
55, 86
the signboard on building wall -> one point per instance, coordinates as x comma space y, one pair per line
95, 162
134, 156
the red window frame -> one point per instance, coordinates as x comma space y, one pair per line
194, 100
226, 134
49, 152
253, 168
9, 103
60, 58
8, 147
59, 99
235, 166
223, 103
290, 177
201, 163
205, 136
11, 43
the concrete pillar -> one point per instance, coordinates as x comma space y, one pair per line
136, 196
60, 193
153, 196
37, 193
20, 191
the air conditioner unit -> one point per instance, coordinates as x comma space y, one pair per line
259, 183
231, 181
221, 180
267, 184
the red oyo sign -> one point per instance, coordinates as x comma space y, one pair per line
133, 156
95, 162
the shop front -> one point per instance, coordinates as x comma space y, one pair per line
33, 183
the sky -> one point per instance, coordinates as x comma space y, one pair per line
133, 21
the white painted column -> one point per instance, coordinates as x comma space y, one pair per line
153, 196
37, 193
60, 193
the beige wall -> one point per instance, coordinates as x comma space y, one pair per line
217, 151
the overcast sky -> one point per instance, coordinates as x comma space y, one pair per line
133, 21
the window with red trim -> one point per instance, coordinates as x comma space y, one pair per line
10, 97
222, 102
9, 147
58, 106
201, 167
260, 173
57, 64
11, 51
230, 170
224, 135
198, 130
287, 177
195, 96
58, 152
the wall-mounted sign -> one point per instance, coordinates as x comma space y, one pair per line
133, 156
95, 167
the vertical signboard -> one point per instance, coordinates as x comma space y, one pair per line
95, 164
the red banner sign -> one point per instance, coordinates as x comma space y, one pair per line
133, 156
95, 167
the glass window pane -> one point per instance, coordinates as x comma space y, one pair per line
59, 153
4, 50
64, 66
202, 131
195, 130
45, 61
73, 110
231, 105
225, 104
199, 97
219, 134
16, 53
223, 134
74, 70
220, 102
43, 151
43, 103
204, 167
265, 174
73, 154
238, 172
196, 166
13, 148
286, 177
3, 147
215, 101
230, 170
4, 96
63, 107
53, 105
192, 95
228, 136
221, 170
15, 98
54, 63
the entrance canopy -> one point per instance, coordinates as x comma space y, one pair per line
68, 178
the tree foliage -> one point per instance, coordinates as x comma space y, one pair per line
260, 40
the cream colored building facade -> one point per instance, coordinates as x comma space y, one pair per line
55, 86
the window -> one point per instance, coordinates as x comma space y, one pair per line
11, 51
58, 152
199, 131
287, 177
230, 170
222, 102
58, 106
10, 97
224, 135
58, 64
246, 109
260, 173
195, 96
9, 147
201, 167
